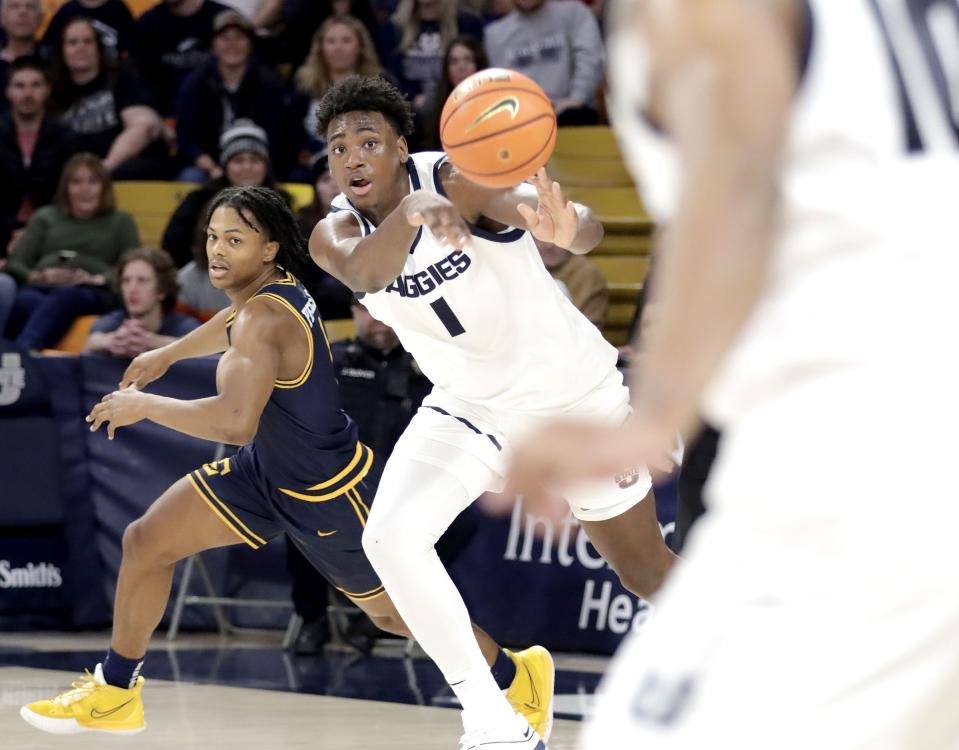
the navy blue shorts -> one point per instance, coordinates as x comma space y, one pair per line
325, 520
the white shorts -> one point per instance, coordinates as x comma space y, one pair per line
447, 431
818, 603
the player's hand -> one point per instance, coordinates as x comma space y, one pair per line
567, 453
118, 409
554, 219
440, 216
146, 368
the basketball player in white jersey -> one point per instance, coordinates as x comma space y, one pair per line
804, 155
452, 268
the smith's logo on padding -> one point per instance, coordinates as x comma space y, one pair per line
42, 575
13, 378
510, 103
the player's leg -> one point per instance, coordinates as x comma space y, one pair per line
633, 545
526, 676
186, 519
415, 503
177, 525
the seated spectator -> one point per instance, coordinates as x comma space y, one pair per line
111, 18
66, 254
224, 89
333, 298
198, 296
244, 160
342, 47
559, 46
107, 109
464, 56
33, 146
172, 39
19, 20
146, 280
415, 40
362, 11
584, 283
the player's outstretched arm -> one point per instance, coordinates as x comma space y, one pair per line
245, 377
539, 205
370, 264
725, 74
210, 338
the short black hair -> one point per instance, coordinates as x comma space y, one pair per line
271, 212
28, 62
365, 94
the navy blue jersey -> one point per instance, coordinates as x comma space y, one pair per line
306, 444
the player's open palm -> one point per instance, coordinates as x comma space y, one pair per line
440, 216
145, 368
554, 219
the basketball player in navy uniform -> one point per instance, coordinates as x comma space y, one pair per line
453, 268
804, 154
301, 470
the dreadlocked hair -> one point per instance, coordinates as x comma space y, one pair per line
265, 211
365, 94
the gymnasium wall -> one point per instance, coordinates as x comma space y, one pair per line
67, 494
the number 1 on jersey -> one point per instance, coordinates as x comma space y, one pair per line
447, 317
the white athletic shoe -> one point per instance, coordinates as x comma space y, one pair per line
518, 735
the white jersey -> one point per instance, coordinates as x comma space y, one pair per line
867, 190
488, 325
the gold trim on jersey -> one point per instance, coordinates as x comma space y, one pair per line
230, 318
213, 501
287, 280
346, 480
296, 382
366, 595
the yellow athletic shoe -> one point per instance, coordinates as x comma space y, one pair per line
91, 706
531, 692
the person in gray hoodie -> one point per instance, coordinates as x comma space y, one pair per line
557, 44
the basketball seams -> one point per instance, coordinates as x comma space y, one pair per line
494, 92
550, 141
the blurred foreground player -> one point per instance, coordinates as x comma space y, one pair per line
818, 604
301, 470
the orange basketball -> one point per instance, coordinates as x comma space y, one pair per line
498, 127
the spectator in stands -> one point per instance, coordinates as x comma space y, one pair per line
172, 39
414, 43
33, 146
111, 18
67, 253
107, 108
244, 160
584, 282
464, 56
341, 47
333, 298
197, 295
146, 281
224, 89
19, 20
559, 46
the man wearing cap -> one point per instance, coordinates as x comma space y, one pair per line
229, 86
244, 160
173, 38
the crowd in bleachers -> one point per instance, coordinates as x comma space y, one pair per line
221, 94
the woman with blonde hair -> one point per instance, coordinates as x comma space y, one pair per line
66, 256
417, 37
342, 47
